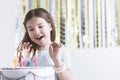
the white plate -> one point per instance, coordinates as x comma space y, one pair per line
15, 73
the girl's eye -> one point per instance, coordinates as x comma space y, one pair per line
40, 26
30, 29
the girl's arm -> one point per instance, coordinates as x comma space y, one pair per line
62, 71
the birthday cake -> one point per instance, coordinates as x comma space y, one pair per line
37, 73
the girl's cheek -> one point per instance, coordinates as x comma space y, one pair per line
31, 34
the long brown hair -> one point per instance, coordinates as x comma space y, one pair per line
38, 12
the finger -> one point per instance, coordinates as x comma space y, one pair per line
29, 47
24, 45
50, 48
60, 44
55, 44
31, 53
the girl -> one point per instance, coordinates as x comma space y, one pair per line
39, 40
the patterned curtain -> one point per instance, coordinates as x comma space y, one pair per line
79, 23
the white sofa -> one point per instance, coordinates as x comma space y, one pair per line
96, 64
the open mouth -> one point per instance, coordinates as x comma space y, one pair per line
40, 38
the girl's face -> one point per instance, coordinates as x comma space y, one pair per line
39, 31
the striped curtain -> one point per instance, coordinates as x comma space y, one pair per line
79, 23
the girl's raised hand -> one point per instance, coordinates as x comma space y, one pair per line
26, 51
54, 50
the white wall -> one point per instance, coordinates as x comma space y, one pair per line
7, 32
96, 64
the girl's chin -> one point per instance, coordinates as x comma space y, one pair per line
41, 43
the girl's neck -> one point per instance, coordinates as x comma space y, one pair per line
45, 47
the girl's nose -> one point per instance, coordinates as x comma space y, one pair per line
37, 31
